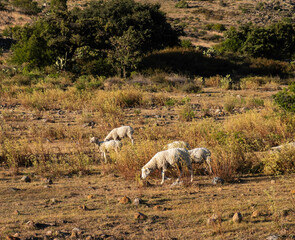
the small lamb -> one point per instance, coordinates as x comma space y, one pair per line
107, 146
178, 144
164, 159
200, 155
120, 132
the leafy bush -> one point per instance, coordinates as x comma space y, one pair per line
186, 112
286, 98
191, 88
280, 162
185, 43
27, 6
181, 4
276, 41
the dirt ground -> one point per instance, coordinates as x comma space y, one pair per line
89, 207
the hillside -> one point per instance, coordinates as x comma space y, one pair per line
201, 19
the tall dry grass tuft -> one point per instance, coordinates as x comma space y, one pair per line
133, 157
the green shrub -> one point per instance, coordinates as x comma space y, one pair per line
182, 4
286, 98
186, 112
280, 162
27, 6
191, 88
185, 43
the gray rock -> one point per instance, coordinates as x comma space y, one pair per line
237, 217
26, 179
217, 180
273, 237
137, 201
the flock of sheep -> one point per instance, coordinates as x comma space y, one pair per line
175, 153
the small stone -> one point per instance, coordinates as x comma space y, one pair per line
137, 201
26, 179
49, 233
83, 207
273, 181
75, 232
213, 219
124, 200
273, 237
140, 216
31, 225
16, 212
48, 181
53, 200
16, 235
237, 217
217, 180
157, 207
256, 214
88, 238
90, 196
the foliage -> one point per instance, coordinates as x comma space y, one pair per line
120, 31
286, 98
181, 4
26, 6
280, 162
185, 43
276, 41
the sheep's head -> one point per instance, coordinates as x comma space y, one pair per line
145, 172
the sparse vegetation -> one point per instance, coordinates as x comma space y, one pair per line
64, 86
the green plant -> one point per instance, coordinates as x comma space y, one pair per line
170, 102
185, 43
280, 162
27, 6
191, 88
285, 99
186, 112
182, 4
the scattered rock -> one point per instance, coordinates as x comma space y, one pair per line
12, 238
47, 181
124, 200
273, 181
75, 232
53, 201
217, 180
137, 201
237, 218
89, 124
213, 219
83, 207
14, 189
16, 212
26, 179
31, 225
256, 214
49, 233
140, 216
90, 196
273, 237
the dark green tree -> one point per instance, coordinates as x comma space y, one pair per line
58, 5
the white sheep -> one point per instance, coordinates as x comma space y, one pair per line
164, 159
200, 155
178, 144
279, 148
120, 132
107, 146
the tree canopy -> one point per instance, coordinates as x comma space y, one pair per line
114, 33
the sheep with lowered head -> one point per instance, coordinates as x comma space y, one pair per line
120, 132
178, 144
107, 146
164, 159
200, 155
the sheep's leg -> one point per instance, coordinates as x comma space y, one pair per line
163, 175
210, 168
105, 157
191, 172
180, 171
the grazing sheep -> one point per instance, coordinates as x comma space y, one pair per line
279, 148
164, 159
178, 144
120, 132
107, 146
200, 155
